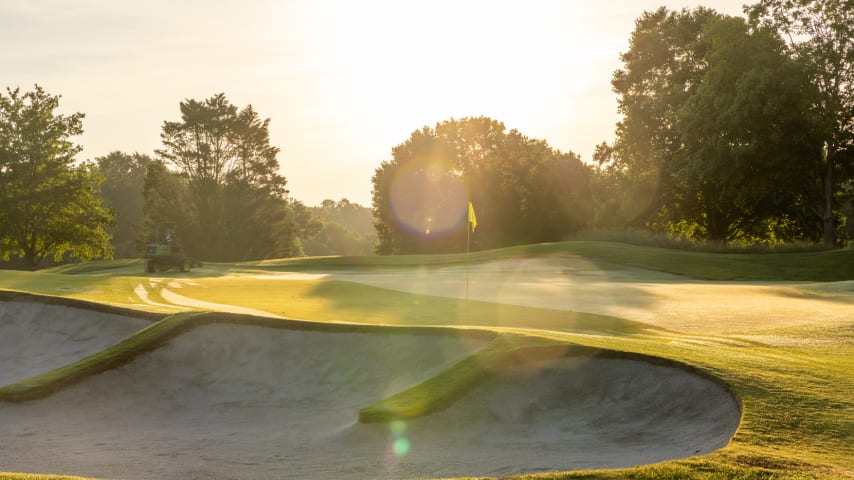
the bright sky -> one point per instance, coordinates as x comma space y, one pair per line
342, 81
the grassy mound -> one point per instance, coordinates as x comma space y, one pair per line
823, 266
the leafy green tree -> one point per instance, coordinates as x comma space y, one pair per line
166, 206
302, 227
661, 70
523, 190
48, 206
716, 136
820, 34
347, 229
237, 201
124, 180
747, 142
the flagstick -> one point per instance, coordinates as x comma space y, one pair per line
468, 239
470, 225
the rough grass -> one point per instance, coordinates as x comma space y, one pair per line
32, 476
693, 469
650, 238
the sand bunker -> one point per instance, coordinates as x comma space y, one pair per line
36, 337
226, 401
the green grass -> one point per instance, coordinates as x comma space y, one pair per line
798, 398
823, 266
32, 476
693, 469
346, 301
147, 339
440, 392
166, 328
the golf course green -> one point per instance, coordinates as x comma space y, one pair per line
565, 360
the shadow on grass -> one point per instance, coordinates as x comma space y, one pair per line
413, 309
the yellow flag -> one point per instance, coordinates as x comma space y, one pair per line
472, 218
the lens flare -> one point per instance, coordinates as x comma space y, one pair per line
400, 447
428, 198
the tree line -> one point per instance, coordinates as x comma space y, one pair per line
213, 190
732, 130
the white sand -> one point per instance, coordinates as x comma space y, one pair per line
35, 337
235, 402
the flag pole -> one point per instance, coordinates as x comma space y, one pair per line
468, 240
471, 224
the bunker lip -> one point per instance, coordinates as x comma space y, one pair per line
243, 401
37, 336
19, 296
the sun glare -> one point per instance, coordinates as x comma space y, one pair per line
401, 65
428, 199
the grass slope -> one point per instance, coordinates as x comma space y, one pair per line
826, 266
832, 265
798, 396
353, 302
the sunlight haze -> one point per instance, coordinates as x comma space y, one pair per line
342, 82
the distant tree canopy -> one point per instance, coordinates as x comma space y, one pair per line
522, 190
347, 229
716, 139
48, 206
226, 201
124, 179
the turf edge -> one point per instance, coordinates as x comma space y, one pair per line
441, 391
151, 337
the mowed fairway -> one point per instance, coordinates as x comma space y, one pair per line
784, 347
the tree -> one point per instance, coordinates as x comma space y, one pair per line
48, 206
237, 201
124, 180
747, 141
166, 205
820, 34
716, 136
347, 229
661, 70
522, 189
301, 227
